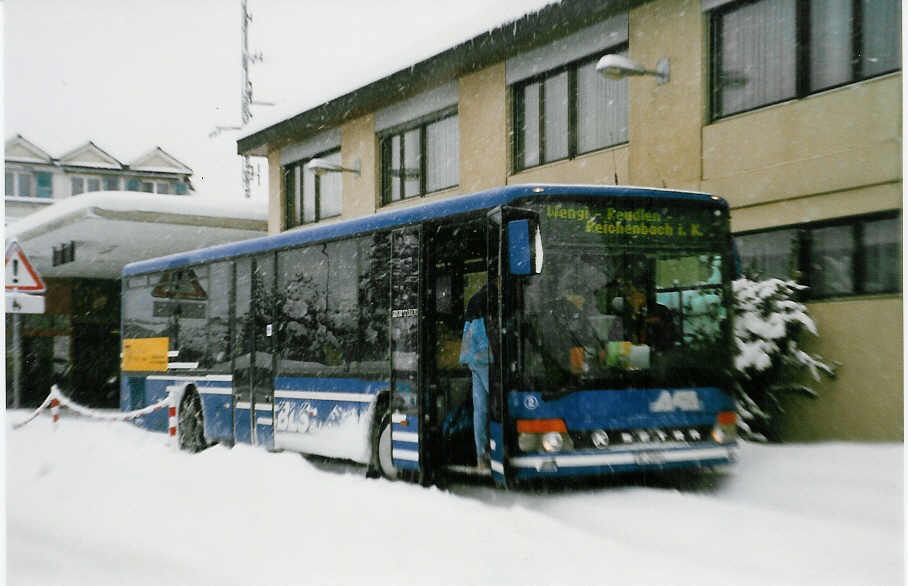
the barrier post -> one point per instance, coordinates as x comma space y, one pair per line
55, 411
172, 417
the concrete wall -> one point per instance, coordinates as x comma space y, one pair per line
362, 194
843, 139
665, 120
600, 168
865, 401
275, 191
483, 127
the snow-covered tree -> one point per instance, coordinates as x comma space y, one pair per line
769, 362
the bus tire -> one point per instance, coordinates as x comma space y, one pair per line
382, 464
192, 424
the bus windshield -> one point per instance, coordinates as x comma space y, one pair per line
626, 310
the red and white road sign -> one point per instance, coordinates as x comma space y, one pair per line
21, 276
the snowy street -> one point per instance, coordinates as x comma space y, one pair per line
107, 503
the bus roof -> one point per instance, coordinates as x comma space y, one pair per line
404, 216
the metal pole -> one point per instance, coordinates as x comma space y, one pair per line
246, 98
17, 361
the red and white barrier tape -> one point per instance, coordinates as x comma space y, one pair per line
56, 399
37, 411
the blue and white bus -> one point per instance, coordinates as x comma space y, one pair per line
608, 316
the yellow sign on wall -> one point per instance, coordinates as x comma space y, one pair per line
145, 354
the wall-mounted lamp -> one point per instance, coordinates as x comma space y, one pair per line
619, 67
321, 166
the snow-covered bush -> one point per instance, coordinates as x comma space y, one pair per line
768, 360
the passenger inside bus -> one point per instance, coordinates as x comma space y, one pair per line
458, 269
604, 314
475, 353
571, 331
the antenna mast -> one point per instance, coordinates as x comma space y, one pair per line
246, 100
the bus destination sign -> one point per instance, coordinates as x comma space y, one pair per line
645, 225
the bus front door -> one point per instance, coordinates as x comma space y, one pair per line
498, 447
406, 279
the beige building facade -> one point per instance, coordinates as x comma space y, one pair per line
789, 110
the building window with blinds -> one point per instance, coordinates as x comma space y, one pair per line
420, 157
769, 51
568, 111
836, 258
309, 197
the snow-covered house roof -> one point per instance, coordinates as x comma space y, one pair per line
20, 150
90, 155
114, 228
158, 160
527, 32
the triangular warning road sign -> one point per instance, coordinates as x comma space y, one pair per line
20, 274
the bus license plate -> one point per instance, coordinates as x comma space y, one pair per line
649, 458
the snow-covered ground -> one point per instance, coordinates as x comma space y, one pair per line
107, 503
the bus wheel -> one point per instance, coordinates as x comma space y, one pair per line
192, 427
382, 462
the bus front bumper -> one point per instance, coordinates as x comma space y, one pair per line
594, 463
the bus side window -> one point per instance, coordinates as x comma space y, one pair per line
217, 358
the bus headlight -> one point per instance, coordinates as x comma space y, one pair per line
552, 442
549, 435
528, 442
726, 428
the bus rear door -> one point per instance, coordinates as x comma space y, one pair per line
406, 409
253, 373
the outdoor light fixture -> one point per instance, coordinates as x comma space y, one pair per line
619, 67
321, 166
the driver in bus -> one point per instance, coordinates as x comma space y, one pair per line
645, 321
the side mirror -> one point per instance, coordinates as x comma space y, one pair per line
524, 247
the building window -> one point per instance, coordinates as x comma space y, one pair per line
133, 184
147, 187
881, 245
44, 186
854, 256
420, 158
769, 51
86, 184
180, 188
567, 112
25, 184
163, 188
832, 261
111, 183
24, 187
770, 255
309, 197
